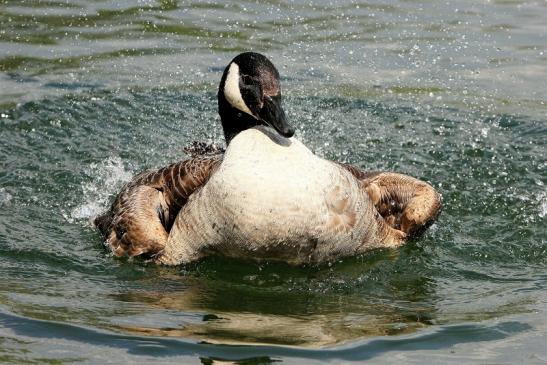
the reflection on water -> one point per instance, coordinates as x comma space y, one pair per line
250, 361
104, 345
92, 92
242, 303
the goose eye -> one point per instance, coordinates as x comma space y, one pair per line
251, 92
246, 79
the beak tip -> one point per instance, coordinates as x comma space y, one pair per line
289, 132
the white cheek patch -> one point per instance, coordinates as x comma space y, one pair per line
232, 92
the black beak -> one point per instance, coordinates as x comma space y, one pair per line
273, 115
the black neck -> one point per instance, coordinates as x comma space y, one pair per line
234, 120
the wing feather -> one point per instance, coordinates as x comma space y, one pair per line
405, 203
141, 216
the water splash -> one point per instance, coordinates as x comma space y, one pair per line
5, 197
107, 178
543, 204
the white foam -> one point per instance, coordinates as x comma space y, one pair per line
5, 197
107, 178
543, 204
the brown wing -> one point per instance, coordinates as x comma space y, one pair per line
142, 214
405, 203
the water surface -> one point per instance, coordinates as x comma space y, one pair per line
93, 92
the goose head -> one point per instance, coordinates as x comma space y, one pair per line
250, 95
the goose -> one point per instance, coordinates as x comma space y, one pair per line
267, 196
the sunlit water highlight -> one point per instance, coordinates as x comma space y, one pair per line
94, 92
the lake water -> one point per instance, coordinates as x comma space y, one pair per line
455, 93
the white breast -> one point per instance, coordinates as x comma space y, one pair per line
275, 196
272, 172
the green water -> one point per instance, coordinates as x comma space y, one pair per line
93, 92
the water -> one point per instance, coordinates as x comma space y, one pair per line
93, 92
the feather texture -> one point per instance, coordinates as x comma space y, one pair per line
139, 220
405, 203
273, 199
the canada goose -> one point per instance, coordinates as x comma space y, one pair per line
268, 197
